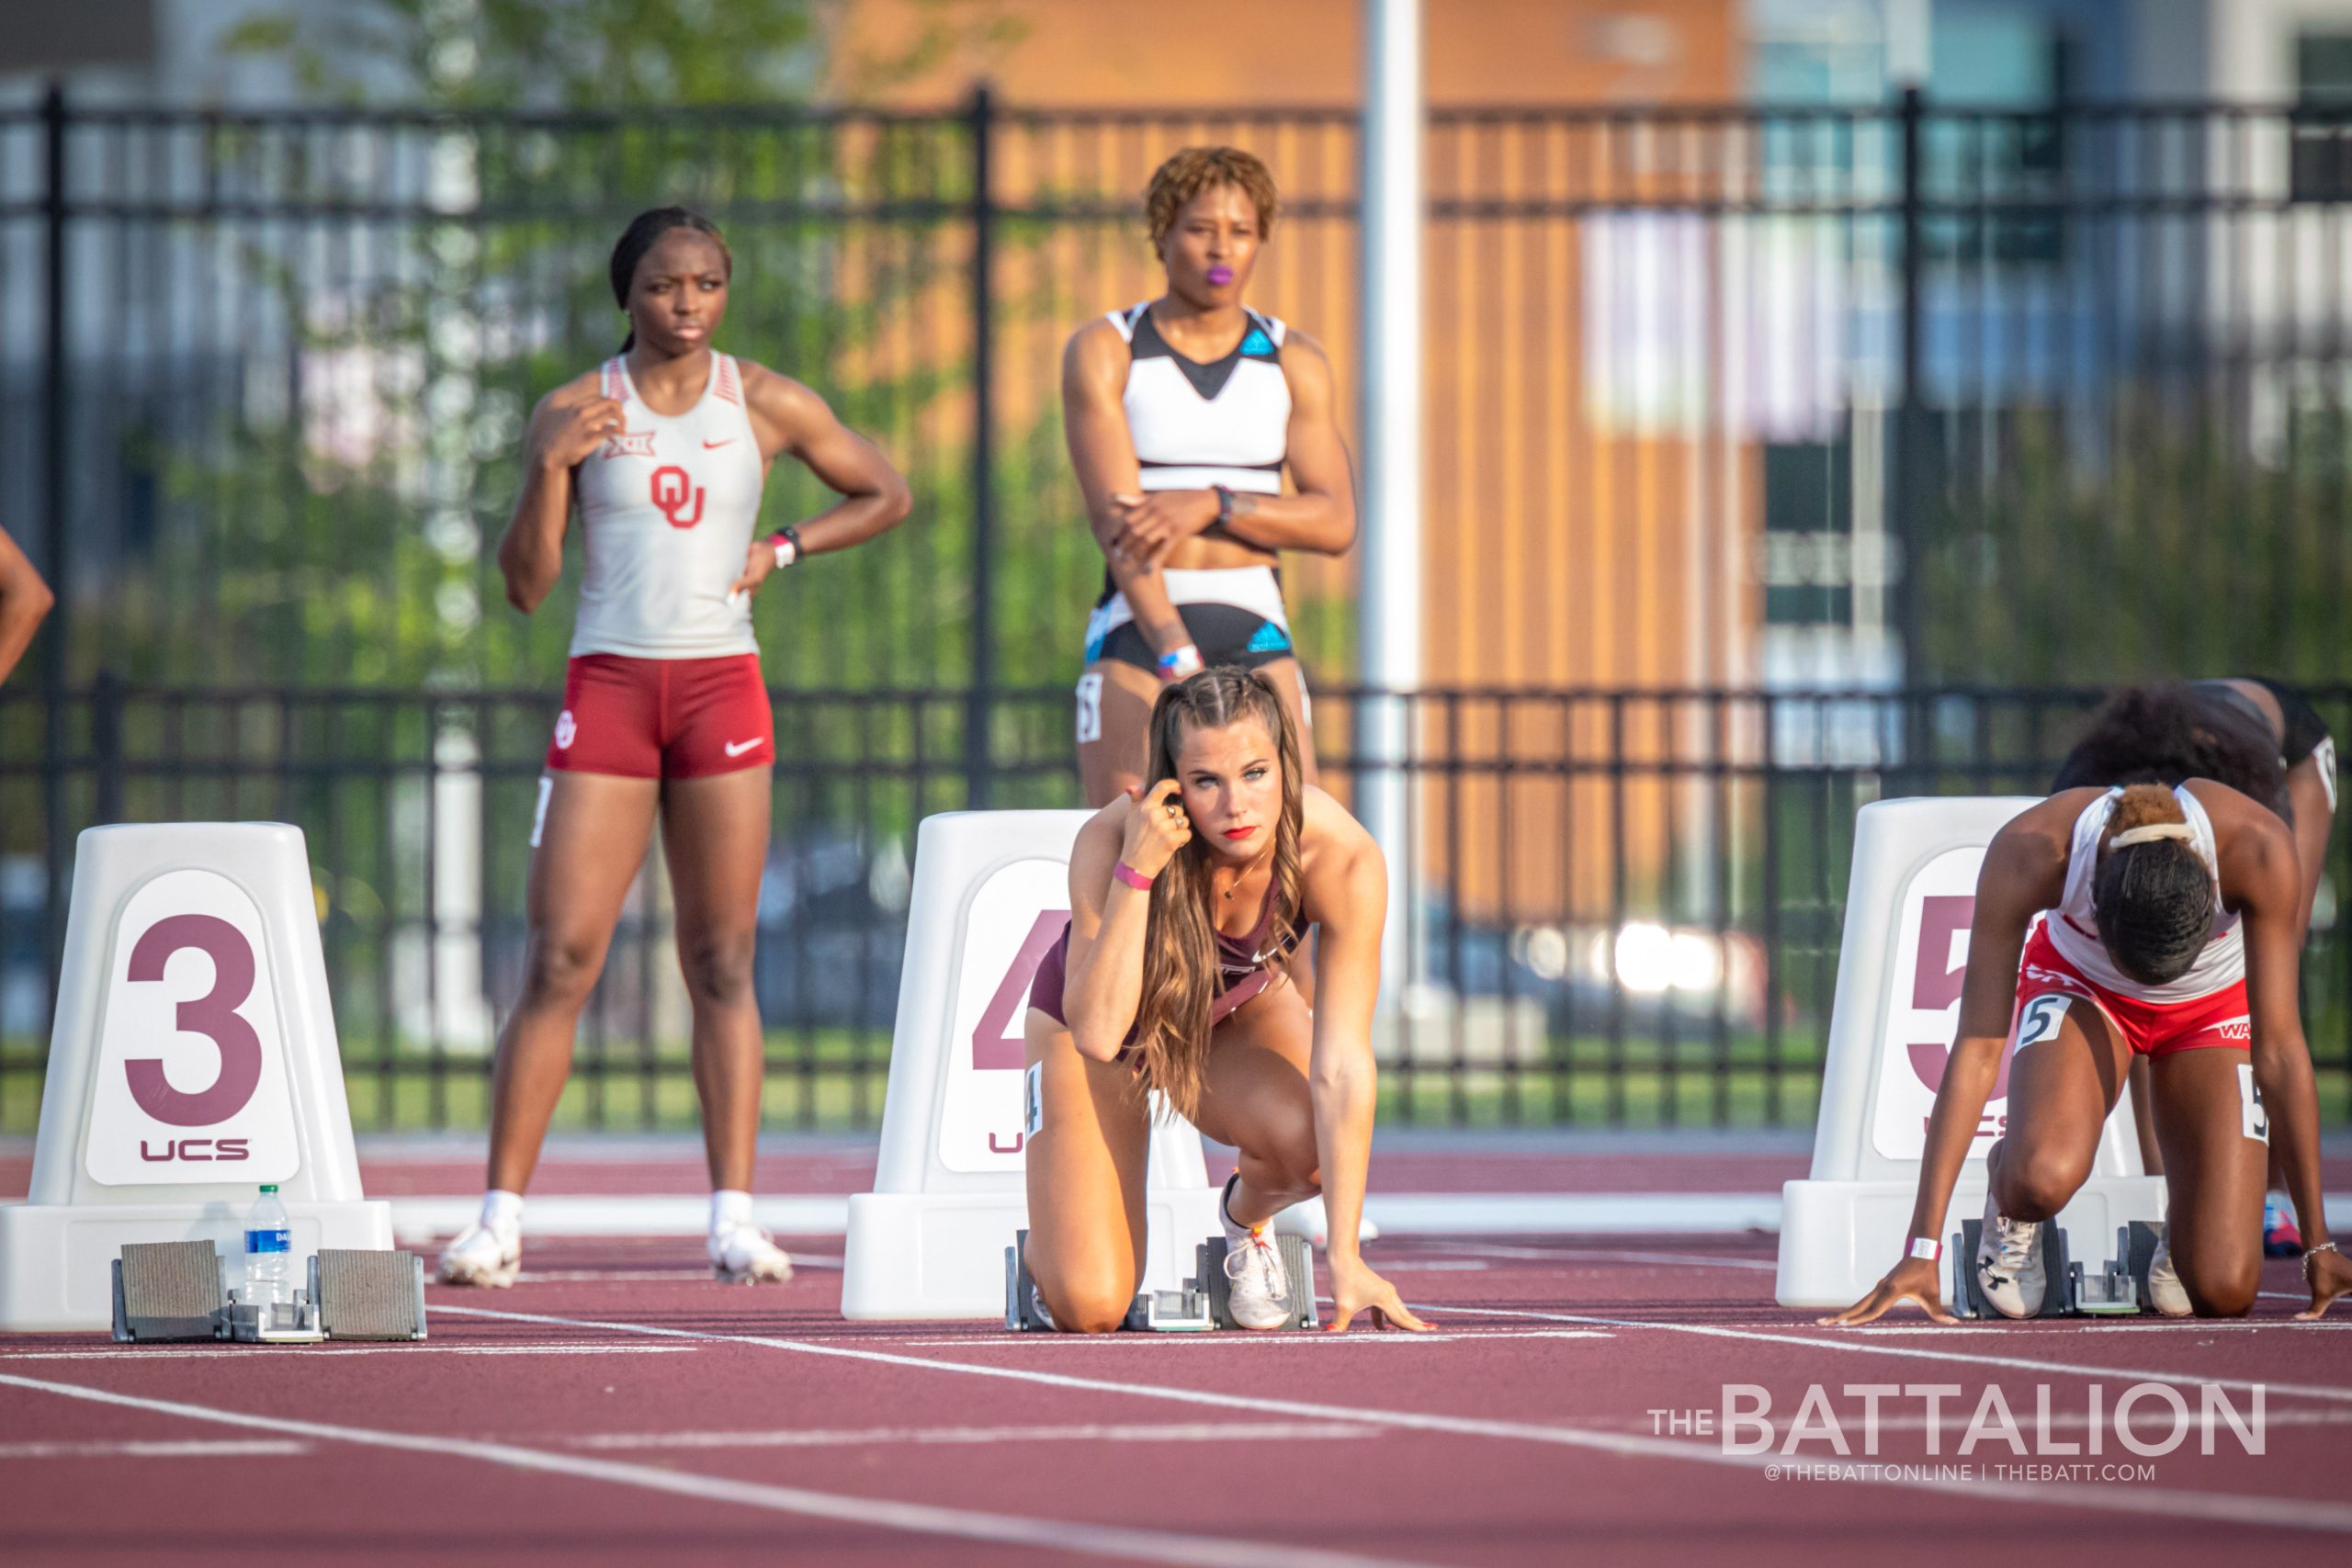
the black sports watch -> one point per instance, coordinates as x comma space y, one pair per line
1224, 505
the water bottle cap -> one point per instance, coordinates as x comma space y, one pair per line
269, 1187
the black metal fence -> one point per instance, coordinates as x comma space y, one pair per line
1724, 405
1628, 908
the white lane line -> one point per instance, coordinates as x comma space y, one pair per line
1870, 1346
1231, 1341
1436, 1265
228, 1447
1607, 1255
2106, 1327
1128, 1432
919, 1519
644, 1276
232, 1352
2233, 1507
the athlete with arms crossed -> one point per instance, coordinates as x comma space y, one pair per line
2175, 919
1182, 414
1187, 901
664, 451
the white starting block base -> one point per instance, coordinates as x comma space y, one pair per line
1909, 904
941, 1255
56, 1262
193, 1058
1853, 1232
991, 890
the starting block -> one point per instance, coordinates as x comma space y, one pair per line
172, 1289
1203, 1303
2116, 1288
991, 896
1908, 904
193, 1058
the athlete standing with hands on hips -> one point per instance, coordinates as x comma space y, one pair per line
664, 450
1182, 414
1187, 902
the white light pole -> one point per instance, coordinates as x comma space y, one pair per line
1389, 621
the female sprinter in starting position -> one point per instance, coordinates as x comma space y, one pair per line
664, 450
1182, 414
1186, 901
2173, 925
2263, 740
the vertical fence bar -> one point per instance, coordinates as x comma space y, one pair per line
56, 535
1904, 491
978, 700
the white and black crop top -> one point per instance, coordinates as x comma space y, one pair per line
1195, 426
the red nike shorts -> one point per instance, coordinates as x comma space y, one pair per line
662, 718
2151, 1028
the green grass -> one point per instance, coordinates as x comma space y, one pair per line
831, 1080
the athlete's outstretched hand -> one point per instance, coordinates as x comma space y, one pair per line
1356, 1289
1913, 1280
568, 434
2329, 1275
1156, 828
1152, 525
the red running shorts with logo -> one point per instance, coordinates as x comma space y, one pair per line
2151, 1028
662, 718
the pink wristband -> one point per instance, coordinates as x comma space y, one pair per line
1131, 876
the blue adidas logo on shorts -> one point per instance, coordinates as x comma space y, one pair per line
1270, 639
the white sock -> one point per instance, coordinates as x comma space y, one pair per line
502, 1212
728, 1208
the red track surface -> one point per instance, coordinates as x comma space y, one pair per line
692, 1421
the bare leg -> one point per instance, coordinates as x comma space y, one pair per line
594, 839
715, 831
1085, 1173
1255, 1097
1115, 709
2143, 1118
2214, 1181
2060, 1089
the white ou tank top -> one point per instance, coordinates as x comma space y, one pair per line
1196, 425
667, 507
2074, 928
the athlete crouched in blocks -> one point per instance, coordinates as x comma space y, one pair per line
1187, 898
2174, 921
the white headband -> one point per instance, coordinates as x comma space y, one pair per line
2151, 833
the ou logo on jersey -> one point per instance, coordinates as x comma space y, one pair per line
676, 496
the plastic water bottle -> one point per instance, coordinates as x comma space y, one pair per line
270, 1243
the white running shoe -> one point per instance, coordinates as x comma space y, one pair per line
2166, 1292
1256, 1290
483, 1256
746, 1255
2008, 1264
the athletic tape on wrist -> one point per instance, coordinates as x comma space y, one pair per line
1926, 1247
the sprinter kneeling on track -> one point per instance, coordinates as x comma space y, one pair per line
2173, 931
1187, 898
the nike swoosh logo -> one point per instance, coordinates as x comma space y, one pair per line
737, 747
708, 445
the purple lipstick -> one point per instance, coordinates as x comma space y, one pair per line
1220, 275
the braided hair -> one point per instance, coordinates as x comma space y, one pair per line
643, 233
2154, 898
